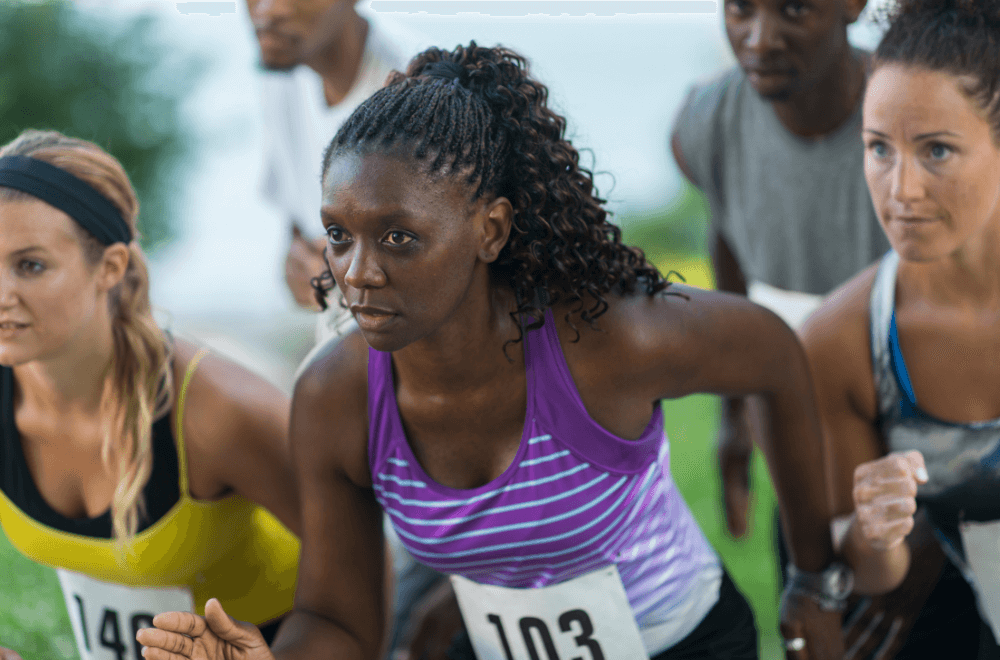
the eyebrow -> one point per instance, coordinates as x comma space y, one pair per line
917, 138
386, 218
30, 248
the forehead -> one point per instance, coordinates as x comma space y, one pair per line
382, 181
32, 222
823, 6
916, 99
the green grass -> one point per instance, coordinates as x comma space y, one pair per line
33, 618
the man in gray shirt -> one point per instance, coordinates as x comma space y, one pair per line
775, 145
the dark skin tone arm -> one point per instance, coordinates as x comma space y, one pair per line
735, 427
647, 349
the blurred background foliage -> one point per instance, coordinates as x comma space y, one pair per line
112, 81
675, 230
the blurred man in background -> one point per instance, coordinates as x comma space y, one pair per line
775, 145
322, 58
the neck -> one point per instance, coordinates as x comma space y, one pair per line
968, 278
339, 60
467, 352
825, 106
72, 379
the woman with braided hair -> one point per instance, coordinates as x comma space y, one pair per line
500, 400
906, 355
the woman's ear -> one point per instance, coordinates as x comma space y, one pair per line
496, 229
113, 265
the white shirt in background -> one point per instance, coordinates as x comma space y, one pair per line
298, 126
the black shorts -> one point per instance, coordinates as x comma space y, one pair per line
727, 632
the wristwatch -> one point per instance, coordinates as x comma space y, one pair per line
829, 588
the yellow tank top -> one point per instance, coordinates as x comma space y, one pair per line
229, 549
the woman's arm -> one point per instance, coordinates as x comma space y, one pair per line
339, 601
836, 340
720, 343
236, 435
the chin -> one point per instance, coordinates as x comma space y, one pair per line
277, 66
920, 251
774, 93
384, 343
13, 355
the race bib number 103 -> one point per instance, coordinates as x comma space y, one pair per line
106, 617
587, 618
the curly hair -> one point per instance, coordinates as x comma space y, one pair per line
960, 37
479, 112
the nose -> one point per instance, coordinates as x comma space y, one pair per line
8, 291
267, 12
907, 184
765, 34
364, 272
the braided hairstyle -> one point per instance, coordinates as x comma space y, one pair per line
960, 37
478, 112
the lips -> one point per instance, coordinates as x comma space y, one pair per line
270, 40
913, 219
372, 319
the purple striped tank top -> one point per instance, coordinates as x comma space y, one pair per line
574, 499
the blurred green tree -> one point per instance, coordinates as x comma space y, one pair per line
676, 229
114, 81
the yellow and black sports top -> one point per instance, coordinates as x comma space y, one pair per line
229, 549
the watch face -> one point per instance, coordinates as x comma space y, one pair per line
838, 581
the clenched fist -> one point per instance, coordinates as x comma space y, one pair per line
885, 492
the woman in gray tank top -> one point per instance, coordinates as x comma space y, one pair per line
906, 355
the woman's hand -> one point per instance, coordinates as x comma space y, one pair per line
885, 492
7, 654
216, 636
810, 633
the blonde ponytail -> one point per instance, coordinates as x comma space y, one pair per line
139, 386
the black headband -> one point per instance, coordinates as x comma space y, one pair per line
76, 198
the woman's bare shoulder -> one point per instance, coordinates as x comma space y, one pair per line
329, 423
837, 339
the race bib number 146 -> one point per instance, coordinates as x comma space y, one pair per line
587, 618
106, 617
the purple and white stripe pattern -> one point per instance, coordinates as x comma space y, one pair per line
574, 499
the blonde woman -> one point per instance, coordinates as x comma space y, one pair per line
134, 463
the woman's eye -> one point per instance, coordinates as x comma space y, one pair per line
879, 149
795, 9
738, 7
939, 151
335, 234
30, 267
398, 238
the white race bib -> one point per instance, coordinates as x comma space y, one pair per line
107, 616
982, 552
587, 618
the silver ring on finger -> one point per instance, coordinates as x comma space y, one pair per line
795, 643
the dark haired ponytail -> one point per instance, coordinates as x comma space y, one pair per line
959, 37
478, 111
